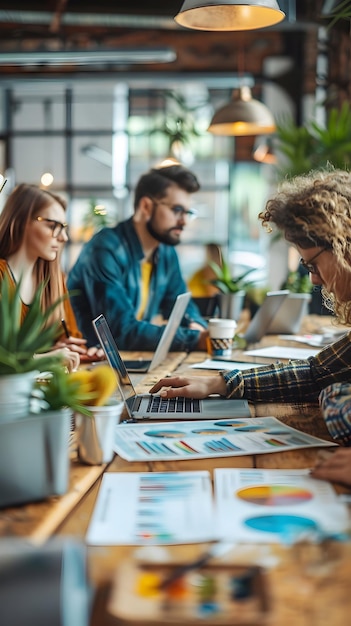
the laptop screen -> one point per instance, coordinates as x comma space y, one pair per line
109, 346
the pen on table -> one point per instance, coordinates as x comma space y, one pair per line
64, 326
3, 184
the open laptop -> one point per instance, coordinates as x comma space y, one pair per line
147, 406
170, 329
263, 317
288, 318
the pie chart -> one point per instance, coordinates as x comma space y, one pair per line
274, 495
287, 526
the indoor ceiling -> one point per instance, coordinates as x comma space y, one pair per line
80, 37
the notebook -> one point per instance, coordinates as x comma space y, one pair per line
288, 318
144, 365
147, 406
263, 317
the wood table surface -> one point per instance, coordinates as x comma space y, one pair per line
70, 514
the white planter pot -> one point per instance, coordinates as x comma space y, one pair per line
34, 457
15, 392
96, 434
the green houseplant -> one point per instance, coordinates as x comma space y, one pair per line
22, 348
232, 289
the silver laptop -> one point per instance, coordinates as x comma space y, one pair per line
170, 329
263, 317
288, 318
147, 406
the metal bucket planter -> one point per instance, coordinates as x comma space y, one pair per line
34, 457
231, 304
96, 434
15, 392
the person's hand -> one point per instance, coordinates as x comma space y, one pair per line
75, 344
95, 352
70, 358
196, 387
336, 467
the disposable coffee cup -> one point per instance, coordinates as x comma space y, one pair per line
221, 333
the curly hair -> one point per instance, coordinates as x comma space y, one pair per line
314, 210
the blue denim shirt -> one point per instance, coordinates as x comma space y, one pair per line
107, 275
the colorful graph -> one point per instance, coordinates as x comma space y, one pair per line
209, 431
274, 495
230, 423
167, 434
288, 526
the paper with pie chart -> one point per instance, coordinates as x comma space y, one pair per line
209, 438
276, 506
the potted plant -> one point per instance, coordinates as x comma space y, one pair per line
89, 394
232, 289
21, 344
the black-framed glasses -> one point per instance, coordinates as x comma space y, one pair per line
178, 210
56, 227
309, 265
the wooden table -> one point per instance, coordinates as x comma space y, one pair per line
70, 514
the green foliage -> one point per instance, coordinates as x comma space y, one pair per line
225, 281
313, 146
96, 216
62, 390
298, 283
19, 342
341, 12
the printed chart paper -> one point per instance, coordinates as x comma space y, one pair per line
209, 438
153, 508
275, 506
282, 352
214, 364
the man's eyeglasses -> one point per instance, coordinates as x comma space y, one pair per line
309, 265
56, 227
178, 210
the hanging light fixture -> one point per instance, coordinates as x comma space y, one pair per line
229, 14
242, 116
47, 178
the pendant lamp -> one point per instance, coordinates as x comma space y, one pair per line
242, 116
229, 14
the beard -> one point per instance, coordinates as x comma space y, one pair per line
166, 237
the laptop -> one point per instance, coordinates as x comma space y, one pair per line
263, 317
147, 406
170, 329
288, 318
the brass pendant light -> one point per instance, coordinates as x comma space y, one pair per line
242, 116
229, 14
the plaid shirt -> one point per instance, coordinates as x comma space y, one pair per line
335, 401
297, 381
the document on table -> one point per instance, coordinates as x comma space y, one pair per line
177, 441
153, 508
282, 352
213, 364
249, 505
276, 506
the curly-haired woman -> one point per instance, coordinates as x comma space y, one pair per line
313, 212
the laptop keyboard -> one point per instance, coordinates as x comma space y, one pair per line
173, 405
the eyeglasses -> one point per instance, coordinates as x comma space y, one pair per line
178, 210
56, 227
309, 265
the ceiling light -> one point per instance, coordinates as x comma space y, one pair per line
229, 14
242, 116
